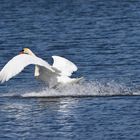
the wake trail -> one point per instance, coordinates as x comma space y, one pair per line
84, 89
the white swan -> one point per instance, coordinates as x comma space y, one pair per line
58, 73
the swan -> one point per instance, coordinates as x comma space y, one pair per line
58, 73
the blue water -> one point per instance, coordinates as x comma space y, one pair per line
103, 39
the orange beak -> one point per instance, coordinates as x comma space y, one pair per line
21, 52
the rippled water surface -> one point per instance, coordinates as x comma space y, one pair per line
103, 39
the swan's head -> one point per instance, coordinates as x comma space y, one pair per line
27, 51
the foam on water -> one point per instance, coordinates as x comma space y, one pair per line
136, 93
78, 90
82, 89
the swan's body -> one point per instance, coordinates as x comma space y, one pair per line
58, 73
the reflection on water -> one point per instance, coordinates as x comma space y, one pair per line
25, 116
62, 118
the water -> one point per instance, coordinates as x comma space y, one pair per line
102, 39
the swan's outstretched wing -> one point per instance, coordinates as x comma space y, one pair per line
65, 66
18, 63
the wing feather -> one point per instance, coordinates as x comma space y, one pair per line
18, 63
65, 66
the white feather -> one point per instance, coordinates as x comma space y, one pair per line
52, 75
65, 66
18, 63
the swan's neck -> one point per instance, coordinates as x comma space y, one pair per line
31, 53
36, 72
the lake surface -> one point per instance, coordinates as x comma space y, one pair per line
103, 39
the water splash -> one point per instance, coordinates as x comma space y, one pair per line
137, 93
83, 89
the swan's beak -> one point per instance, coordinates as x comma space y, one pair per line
22, 52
